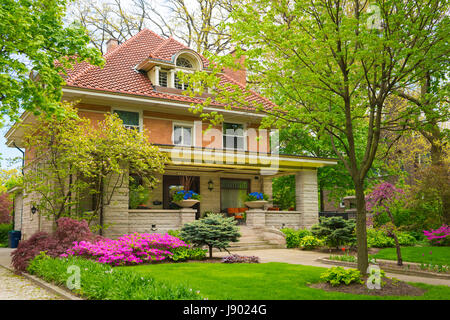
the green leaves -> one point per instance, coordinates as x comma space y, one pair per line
214, 231
35, 51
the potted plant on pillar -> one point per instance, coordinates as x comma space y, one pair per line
256, 200
186, 199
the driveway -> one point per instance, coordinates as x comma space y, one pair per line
296, 256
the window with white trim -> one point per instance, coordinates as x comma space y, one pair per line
163, 75
182, 135
130, 119
179, 84
233, 136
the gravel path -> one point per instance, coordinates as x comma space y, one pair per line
14, 287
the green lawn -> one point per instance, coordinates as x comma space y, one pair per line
434, 255
271, 281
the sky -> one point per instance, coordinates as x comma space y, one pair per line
6, 152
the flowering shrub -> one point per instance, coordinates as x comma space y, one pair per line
67, 231
440, 236
129, 249
102, 282
234, 258
185, 195
255, 196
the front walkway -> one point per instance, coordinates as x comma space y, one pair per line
296, 256
15, 287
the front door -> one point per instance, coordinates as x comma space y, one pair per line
172, 184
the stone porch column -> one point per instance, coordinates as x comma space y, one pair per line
306, 197
187, 215
267, 189
115, 214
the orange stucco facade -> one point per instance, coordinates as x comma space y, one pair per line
159, 128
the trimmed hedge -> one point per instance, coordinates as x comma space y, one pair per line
102, 282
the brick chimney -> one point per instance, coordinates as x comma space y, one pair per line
111, 44
239, 75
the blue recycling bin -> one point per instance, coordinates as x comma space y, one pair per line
14, 238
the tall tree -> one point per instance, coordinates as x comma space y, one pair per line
196, 23
335, 63
35, 49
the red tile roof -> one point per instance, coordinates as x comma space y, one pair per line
119, 75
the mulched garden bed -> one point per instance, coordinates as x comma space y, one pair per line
408, 268
391, 288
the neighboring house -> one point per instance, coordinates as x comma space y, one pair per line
140, 84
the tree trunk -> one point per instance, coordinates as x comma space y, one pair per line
397, 244
399, 253
101, 207
361, 235
210, 251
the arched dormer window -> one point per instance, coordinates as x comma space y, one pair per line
183, 62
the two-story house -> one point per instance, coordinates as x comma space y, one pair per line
139, 82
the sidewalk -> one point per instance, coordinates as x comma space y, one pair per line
296, 256
15, 287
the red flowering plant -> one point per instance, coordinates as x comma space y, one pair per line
440, 236
380, 200
67, 231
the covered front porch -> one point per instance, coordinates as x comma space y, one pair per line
223, 179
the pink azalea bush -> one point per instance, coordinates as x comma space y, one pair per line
438, 236
129, 249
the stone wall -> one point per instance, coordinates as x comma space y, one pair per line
284, 219
151, 221
257, 218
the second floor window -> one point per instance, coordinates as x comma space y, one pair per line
180, 84
163, 78
182, 135
130, 119
233, 136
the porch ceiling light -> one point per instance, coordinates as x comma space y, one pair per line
210, 185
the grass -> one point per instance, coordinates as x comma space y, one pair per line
439, 255
265, 281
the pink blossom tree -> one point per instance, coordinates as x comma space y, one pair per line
381, 200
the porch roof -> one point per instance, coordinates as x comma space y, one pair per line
209, 159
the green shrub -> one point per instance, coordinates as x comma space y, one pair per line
4, 229
336, 231
338, 275
377, 238
293, 237
406, 239
183, 254
214, 231
310, 242
101, 282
